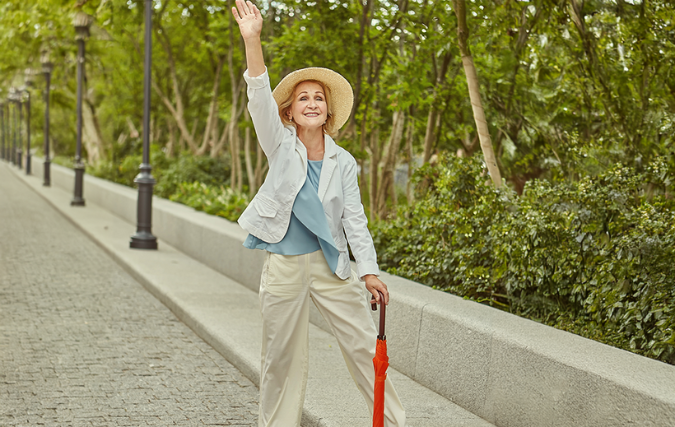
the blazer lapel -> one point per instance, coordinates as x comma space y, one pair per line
302, 151
328, 167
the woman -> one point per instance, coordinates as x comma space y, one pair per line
308, 201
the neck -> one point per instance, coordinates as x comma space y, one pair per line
313, 140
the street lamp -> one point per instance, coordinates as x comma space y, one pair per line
8, 128
47, 67
18, 119
28, 79
143, 239
2, 130
11, 112
81, 22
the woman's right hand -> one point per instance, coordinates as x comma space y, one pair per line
249, 19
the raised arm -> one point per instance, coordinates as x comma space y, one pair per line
250, 23
264, 111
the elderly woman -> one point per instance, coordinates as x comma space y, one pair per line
300, 215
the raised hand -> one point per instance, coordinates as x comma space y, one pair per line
248, 18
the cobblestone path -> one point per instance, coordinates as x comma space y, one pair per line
83, 344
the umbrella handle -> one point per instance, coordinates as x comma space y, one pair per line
381, 336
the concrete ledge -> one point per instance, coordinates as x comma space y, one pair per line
505, 369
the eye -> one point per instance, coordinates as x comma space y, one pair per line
318, 98
303, 98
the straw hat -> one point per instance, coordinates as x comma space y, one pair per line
341, 94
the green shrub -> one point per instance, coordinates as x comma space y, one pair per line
125, 171
67, 162
204, 169
169, 173
214, 200
593, 257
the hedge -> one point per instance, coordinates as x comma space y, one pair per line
595, 257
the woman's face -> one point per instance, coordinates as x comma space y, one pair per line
309, 108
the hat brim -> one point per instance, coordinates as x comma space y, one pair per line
341, 94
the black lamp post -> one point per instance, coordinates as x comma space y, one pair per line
81, 22
19, 153
12, 153
143, 239
7, 129
12, 126
2, 130
28, 79
47, 67
18, 118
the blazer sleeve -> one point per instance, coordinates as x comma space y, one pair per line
355, 223
264, 112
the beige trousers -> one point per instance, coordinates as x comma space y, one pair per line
286, 285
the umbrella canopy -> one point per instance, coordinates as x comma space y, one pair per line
381, 363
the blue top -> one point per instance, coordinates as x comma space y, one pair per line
308, 229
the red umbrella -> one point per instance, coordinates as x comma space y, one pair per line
381, 363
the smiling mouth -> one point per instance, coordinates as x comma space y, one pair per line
312, 115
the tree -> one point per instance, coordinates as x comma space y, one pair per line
474, 93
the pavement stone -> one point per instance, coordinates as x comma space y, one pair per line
83, 344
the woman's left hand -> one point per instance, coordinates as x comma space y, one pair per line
374, 284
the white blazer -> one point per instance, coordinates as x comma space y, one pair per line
269, 213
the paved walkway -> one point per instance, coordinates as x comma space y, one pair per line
82, 343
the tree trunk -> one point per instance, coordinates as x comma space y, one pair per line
194, 128
155, 131
388, 163
233, 137
474, 94
177, 111
92, 138
358, 81
211, 129
171, 144
411, 162
374, 162
362, 145
218, 146
133, 131
236, 175
468, 144
433, 120
429, 134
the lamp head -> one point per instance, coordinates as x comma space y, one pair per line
45, 60
28, 78
82, 22
14, 95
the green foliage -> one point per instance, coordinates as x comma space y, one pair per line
214, 200
196, 181
550, 75
202, 169
67, 162
593, 257
126, 170
168, 172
